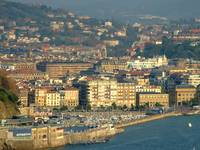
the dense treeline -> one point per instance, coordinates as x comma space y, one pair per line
172, 50
20, 11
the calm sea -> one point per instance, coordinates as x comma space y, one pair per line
167, 134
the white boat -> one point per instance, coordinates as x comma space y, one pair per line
190, 125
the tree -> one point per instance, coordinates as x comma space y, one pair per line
119, 107
63, 108
146, 105
102, 107
157, 104
124, 107
185, 103
194, 101
79, 107
114, 106
55, 109
132, 107
141, 107
88, 107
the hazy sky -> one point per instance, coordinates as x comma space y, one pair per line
125, 8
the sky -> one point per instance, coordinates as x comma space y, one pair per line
126, 8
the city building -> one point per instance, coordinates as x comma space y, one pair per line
148, 89
142, 81
47, 97
193, 80
29, 76
126, 95
185, 93
52, 99
102, 92
21, 67
149, 63
153, 99
23, 97
70, 97
57, 26
58, 70
110, 66
112, 43
40, 97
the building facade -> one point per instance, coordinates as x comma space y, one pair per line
185, 93
148, 63
126, 95
52, 99
106, 92
102, 92
70, 97
153, 99
23, 97
58, 70
109, 66
148, 89
47, 97
193, 80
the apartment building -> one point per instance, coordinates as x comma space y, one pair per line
153, 99
185, 93
70, 97
148, 89
126, 94
58, 70
104, 92
48, 97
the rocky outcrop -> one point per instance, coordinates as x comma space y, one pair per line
8, 109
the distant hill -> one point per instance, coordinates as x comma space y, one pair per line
12, 10
126, 9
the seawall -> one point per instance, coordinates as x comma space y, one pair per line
146, 119
92, 135
47, 137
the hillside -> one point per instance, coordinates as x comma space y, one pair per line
12, 10
8, 109
8, 100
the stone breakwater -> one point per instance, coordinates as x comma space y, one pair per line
146, 119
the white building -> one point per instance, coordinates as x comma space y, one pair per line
148, 63
102, 92
193, 80
108, 24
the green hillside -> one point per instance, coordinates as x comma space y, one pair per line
8, 98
